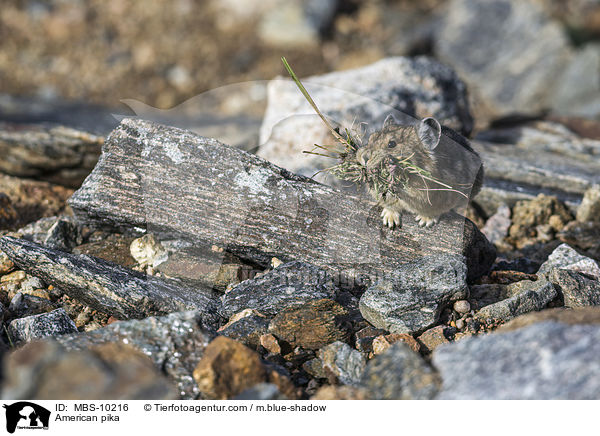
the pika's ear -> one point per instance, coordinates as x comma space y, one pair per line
390, 121
430, 132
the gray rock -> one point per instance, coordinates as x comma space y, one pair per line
408, 87
247, 330
533, 67
540, 157
547, 360
24, 305
589, 209
32, 327
102, 372
576, 289
496, 227
54, 153
175, 343
565, 257
523, 297
413, 298
63, 235
288, 285
399, 374
343, 362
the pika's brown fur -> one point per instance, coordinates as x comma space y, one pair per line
453, 170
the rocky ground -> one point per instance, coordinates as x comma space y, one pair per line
155, 263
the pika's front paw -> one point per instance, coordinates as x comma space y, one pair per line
391, 218
426, 221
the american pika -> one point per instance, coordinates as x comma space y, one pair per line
426, 169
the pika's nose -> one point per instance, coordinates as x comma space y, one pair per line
363, 156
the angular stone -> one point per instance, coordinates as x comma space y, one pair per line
414, 297
523, 297
576, 289
102, 372
382, 343
399, 374
32, 327
228, 368
312, 325
342, 363
589, 209
23, 305
107, 287
175, 343
289, 285
565, 257
409, 87
247, 330
432, 338
496, 227
544, 361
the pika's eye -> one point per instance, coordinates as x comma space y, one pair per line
391, 144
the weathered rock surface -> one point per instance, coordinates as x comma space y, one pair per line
408, 87
289, 285
565, 257
575, 289
547, 360
105, 286
541, 157
522, 297
228, 368
589, 209
54, 153
399, 374
533, 67
247, 330
252, 208
412, 300
312, 325
102, 372
174, 342
32, 327
342, 363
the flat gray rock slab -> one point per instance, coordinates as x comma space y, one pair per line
175, 343
177, 184
413, 298
547, 360
105, 286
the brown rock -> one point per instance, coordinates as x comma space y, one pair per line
228, 368
8, 214
312, 325
104, 372
580, 315
527, 217
583, 235
340, 393
383, 342
114, 248
6, 265
365, 337
269, 342
432, 338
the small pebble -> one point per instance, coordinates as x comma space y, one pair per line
460, 324
462, 306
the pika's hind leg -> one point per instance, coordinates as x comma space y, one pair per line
391, 218
426, 221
